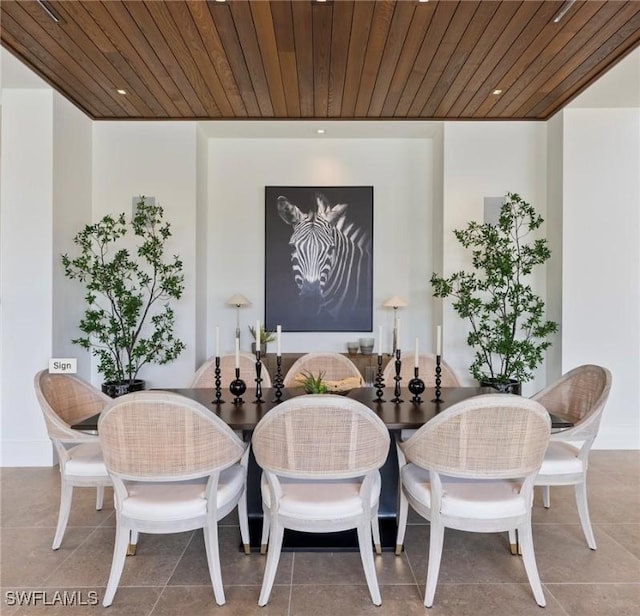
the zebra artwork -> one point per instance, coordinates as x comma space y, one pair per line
330, 252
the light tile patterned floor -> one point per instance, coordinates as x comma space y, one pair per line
478, 576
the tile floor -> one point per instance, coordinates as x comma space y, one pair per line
478, 576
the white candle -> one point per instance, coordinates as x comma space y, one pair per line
279, 335
398, 334
217, 341
416, 355
439, 340
237, 352
380, 341
258, 335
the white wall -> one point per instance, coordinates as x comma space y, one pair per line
72, 175
486, 159
401, 173
154, 159
601, 259
26, 174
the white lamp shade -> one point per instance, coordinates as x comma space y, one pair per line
395, 302
238, 300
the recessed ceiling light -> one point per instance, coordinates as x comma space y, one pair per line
497, 92
320, 131
121, 91
563, 10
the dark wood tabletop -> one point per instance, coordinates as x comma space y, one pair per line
396, 416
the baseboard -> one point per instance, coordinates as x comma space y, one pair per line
26, 453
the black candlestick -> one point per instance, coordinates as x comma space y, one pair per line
237, 388
278, 381
258, 378
218, 383
379, 381
438, 380
416, 387
397, 378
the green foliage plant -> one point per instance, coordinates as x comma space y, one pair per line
508, 332
128, 321
265, 336
313, 384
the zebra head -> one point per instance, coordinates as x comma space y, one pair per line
313, 244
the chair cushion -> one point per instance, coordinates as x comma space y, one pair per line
178, 500
561, 459
85, 460
320, 500
467, 498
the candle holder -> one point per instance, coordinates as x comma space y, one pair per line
278, 381
218, 383
438, 380
259, 379
237, 388
379, 381
397, 378
416, 387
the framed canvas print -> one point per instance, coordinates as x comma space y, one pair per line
319, 258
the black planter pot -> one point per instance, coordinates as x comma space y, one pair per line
119, 388
511, 387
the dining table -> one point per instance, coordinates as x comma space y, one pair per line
397, 413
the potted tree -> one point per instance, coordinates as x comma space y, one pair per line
128, 321
508, 329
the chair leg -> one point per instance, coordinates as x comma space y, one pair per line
276, 534
529, 560
99, 497
243, 519
546, 496
66, 496
117, 563
375, 531
213, 560
403, 512
133, 543
436, 541
266, 516
513, 541
583, 513
366, 556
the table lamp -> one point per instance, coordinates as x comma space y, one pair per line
395, 302
238, 300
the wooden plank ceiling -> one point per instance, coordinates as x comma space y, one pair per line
300, 59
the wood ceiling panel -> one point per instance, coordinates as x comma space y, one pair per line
340, 34
346, 59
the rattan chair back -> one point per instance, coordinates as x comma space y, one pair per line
579, 396
162, 436
320, 437
332, 366
205, 376
65, 400
491, 436
427, 371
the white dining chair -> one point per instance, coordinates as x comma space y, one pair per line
66, 400
175, 467
579, 396
472, 468
321, 456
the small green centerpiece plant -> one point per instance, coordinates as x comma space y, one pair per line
508, 328
313, 384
